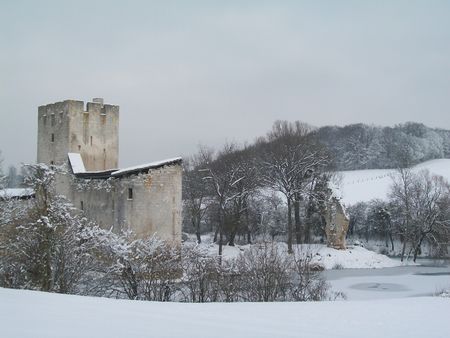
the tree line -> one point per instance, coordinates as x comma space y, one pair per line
277, 186
416, 212
362, 146
280, 187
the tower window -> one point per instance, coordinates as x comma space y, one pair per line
130, 193
82, 205
91, 140
53, 137
52, 162
79, 147
45, 119
53, 119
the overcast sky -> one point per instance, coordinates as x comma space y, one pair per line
205, 72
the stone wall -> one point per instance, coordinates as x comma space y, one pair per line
337, 223
155, 206
66, 126
94, 134
53, 132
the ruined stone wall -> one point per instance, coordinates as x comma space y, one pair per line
53, 131
65, 127
337, 223
97, 199
94, 134
155, 206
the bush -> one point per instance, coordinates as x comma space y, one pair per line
263, 273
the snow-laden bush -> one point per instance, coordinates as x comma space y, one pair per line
200, 275
41, 244
263, 273
266, 273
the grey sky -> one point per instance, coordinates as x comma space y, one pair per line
190, 72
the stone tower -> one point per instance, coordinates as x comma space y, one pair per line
67, 127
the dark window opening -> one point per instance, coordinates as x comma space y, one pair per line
61, 117
53, 119
82, 205
53, 137
52, 163
45, 119
91, 140
79, 147
130, 193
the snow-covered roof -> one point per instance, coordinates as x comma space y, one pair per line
77, 165
20, 193
143, 167
76, 162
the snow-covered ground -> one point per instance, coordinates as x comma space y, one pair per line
33, 314
355, 257
364, 185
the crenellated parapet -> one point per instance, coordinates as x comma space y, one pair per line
71, 126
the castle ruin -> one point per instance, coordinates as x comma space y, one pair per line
145, 199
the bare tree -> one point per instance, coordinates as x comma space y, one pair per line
195, 193
431, 209
401, 196
232, 177
289, 160
421, 209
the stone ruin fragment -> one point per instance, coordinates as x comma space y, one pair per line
337, 223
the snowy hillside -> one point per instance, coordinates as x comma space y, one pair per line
364, 185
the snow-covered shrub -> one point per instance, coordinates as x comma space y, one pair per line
265, 273
144, 269
200, 275
308, 284
42, 248
337, 266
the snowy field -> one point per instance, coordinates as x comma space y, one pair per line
364, 185
355, 257
29, 314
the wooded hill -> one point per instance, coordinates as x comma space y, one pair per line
362, 146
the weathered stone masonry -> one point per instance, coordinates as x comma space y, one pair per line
144, 199
66, 127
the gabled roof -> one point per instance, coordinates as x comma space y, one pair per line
77, 165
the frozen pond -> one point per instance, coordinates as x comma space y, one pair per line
398, 282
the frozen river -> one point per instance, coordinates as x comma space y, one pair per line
405, 281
